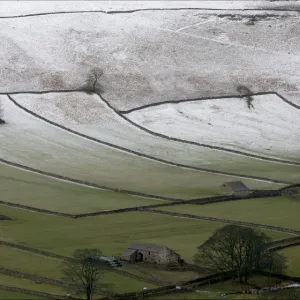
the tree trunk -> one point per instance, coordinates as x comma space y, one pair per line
88, 293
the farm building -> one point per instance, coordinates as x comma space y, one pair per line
150, 254
235, 188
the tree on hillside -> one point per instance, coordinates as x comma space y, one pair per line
1, 113
240, 250
84, 272
92, 84
243, 90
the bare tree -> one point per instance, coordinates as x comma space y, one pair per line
241, 250
1, 114
84, 272
243, 90
92, 84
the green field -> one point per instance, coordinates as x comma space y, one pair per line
18, 186
31, 285
7, 295
277, 211
293, 260
27, 262
110, 233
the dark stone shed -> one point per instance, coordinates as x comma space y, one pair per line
150, 254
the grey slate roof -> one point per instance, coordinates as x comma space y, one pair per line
147, 247
236, 186
128, 252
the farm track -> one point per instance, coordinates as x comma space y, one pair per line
114, 12
159, 135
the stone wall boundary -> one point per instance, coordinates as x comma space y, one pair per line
34, 293
240, 96
198, 201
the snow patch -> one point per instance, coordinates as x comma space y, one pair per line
271, 127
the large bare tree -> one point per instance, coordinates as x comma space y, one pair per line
92, 84
84, 272
241, 250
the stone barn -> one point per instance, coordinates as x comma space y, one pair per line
150, 254
235, 188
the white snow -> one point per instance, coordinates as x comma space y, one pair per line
11, 8
32, 142
89, 115
147, 58
271, 127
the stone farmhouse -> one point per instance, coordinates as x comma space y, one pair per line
235, 188
150, 254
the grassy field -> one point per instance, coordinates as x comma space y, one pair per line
7, 295
110, 233
277, 211
31, 285
211, 291
293, 260
31, 189
27, 262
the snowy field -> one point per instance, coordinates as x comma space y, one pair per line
271, 127
35, 143
146, 57
151, 56
89, 115
10, 8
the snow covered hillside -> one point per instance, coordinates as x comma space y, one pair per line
270, 127
151, 56
11, 8
32, 142
89, 115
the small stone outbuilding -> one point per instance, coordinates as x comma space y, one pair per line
150, 254
235, 188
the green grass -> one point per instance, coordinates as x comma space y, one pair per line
31, 285
293, 260
7, 295
31, 263
209, 291
110, 233
18, 186
277, 211
27, 262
